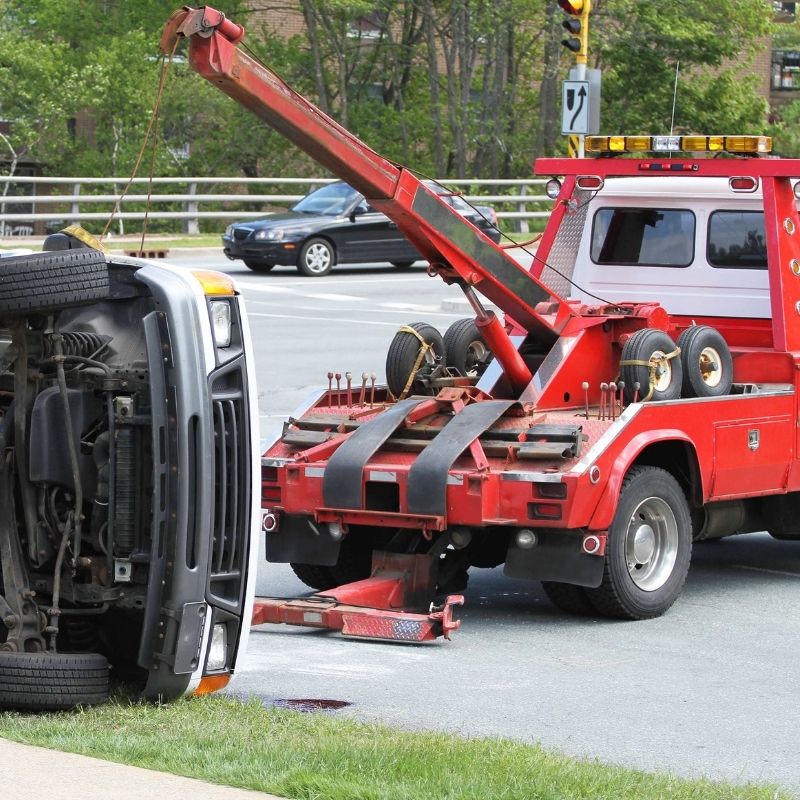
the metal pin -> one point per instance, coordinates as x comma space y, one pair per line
585, 387
612, 399
362, 396
372, 378
338, 377
621, 387
603, 389
330, 389
349, 378
636, 387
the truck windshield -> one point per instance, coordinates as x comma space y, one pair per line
737, 240
332, 200
643, 237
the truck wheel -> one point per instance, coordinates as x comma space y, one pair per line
706, 362
316, 258
258, 266
568, 597
466, 349
52, 681
404, 352
649, 547
644, 355
354, 564
44, 281
314, 576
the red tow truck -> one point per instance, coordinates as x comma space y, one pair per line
642, 393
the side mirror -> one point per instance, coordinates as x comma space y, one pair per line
357, 212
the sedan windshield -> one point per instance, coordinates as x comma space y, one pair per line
332, 200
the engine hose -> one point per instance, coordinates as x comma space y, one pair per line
125, 491
71, 448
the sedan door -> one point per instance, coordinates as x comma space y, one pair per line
368, 235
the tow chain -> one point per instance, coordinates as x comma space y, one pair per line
420, 358
652, 365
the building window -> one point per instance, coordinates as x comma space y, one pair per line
785, 70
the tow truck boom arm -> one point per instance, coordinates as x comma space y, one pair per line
455, 248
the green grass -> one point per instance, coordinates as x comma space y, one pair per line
325, 757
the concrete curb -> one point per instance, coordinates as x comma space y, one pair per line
37, 772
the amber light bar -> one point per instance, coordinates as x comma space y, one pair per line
751, 145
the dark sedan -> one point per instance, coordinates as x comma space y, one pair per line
334, 225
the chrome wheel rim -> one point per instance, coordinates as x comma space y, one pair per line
317, 258
651, 544
710, 367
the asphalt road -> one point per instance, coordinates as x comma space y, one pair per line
708, 689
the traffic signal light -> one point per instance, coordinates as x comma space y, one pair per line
577, 26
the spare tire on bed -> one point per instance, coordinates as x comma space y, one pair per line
52, 280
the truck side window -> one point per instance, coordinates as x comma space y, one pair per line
656, 237
737, 240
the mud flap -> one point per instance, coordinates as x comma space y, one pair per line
342, 483
557, 556
427, 478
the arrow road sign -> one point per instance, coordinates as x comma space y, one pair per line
575, 107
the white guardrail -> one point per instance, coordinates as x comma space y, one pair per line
26, 201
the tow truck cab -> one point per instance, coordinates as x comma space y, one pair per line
696, 245
127, 431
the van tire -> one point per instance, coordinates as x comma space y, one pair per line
52, 280
52, 681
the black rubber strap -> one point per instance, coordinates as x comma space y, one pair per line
343, 480
427, 478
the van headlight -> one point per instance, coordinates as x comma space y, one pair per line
218, 649
221, 322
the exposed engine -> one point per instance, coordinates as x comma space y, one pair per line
75, 432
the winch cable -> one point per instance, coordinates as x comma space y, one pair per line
152, 127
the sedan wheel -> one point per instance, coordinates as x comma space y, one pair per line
316, 258
258, 266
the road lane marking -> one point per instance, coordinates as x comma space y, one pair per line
332, 296
769, 571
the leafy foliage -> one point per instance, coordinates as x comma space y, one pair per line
451, 87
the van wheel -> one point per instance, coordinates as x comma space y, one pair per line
466, 349
706, 361
649, 547
647, 354
568, 597
52, 681
403, 354
50, 280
